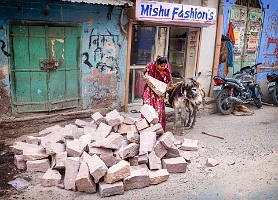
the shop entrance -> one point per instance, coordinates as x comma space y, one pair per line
179, 44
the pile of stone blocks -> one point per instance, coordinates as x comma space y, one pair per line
110, 155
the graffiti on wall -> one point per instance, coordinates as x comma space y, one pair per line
3, 47
272, 41
86, 61
102, 59
103, 48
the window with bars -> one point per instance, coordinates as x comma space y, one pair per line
248, 3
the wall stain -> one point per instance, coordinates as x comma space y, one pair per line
102, 90
5, 104
101, 87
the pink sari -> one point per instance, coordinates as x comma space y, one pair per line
151, 98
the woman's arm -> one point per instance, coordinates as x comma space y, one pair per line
145, 70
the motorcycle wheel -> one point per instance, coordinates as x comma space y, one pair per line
275, 96
258, 102
223, 105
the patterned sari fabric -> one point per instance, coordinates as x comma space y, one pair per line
151, 98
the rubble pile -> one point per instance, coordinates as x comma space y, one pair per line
109, 155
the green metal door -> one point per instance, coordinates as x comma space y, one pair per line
45, 68
247, 23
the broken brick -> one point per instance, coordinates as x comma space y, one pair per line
174, 165
97, 168
137, 179
154, 161
130, 150
71, 170
75, 147
52, 177
158, 176
212, 162
38, 165
159, 149
19, 162
106, 190
149, 113
84, 181
114, 118
98, 118
142, 124
147, 141
133, 137
124, 128
189, 145
117, 172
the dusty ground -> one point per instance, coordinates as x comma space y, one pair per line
250, 141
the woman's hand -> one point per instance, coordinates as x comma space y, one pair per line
144, 76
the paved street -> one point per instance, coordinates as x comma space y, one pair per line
247, 157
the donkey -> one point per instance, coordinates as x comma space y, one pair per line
186, 94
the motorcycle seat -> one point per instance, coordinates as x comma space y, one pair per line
231, 80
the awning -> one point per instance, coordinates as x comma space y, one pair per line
106, 2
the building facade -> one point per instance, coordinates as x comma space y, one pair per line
256, 34
86, 54
62, 55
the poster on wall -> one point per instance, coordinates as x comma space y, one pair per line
253, 33
247, 30
238, 26
171, 13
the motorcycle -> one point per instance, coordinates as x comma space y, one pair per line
240, 89
273, 86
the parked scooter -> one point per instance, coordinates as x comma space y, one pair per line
240, 89
273, 86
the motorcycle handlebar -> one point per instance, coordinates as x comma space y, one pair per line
238, 72
256, 65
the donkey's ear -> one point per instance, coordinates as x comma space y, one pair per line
186, 82
197, 76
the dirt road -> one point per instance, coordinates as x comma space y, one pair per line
248, 160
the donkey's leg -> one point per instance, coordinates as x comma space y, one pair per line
183, 118
190, 109
176, 117
194, 115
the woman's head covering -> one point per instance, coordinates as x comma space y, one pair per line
161, 59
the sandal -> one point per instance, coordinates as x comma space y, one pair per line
134, 111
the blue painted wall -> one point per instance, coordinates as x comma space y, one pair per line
268, 51
103, 44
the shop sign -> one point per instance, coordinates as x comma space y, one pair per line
174, 13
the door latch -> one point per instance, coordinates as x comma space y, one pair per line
49, 64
